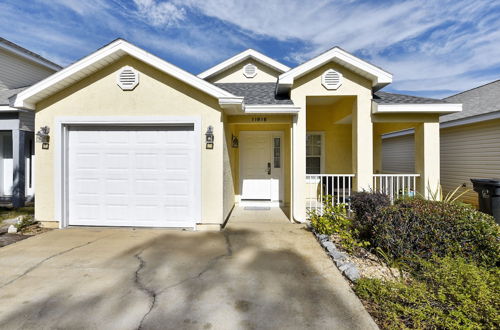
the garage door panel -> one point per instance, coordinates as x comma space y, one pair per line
132, 176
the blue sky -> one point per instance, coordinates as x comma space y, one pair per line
433, 48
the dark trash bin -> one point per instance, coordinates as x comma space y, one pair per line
488, 192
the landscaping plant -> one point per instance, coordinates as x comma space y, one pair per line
334, 220
416, 227
450, 253
443, 293
365, 206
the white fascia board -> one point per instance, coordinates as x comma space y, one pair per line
416, 108
22, 99
249, 53
271, 109
471, 120
8, 108
379, 76
231, 101
30, 57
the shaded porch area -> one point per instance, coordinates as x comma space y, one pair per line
344, 155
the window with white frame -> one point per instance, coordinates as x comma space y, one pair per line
314, 147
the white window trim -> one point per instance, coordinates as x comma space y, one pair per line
61, 164
322, 160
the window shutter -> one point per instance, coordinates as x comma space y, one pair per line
128, 78
331, 79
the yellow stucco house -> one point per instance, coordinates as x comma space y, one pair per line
128, 139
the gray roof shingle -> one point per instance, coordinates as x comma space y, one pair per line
392, 98
477, 101
5, 94
255, 93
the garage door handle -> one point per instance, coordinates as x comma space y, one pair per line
268, 168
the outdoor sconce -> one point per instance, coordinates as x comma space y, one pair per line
43, 137
234, 141
209, 138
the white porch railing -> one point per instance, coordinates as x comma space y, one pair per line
395, 185
318, 186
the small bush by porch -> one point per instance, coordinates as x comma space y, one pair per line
447, 255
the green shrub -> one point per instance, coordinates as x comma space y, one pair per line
365, 206
416, 227
445, 293
334, 220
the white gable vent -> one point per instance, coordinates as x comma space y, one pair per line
127, 78
250, 70
331, 79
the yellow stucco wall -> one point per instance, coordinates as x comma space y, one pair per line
235, 74
281, 124
337, 137
354, 85
157, 94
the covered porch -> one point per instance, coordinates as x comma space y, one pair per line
344, 152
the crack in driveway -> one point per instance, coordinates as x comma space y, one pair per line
211, 263
153, 295
38, 264
141, 286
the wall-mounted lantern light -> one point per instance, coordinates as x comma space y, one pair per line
234, 141
43, 136
209, 138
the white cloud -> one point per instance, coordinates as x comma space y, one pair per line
159, 14
445, 44
425, 44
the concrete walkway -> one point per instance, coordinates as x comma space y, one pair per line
255, 274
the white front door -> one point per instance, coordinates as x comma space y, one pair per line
132, 176
260, 166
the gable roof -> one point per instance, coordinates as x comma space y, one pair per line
103, 57
255, 93
6, 94
238, 58
393, 98
477, 101
379, 77
23, 52
383, 102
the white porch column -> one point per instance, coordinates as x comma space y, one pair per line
427, 157
377, 152
362, 143
299, 166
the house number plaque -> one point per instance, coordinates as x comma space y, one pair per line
259, 119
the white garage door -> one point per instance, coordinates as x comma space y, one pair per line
133, 176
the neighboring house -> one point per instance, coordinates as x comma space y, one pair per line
137, 141
470, 141
19, 69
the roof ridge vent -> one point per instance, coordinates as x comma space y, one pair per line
331, 79
249, 70
128, 78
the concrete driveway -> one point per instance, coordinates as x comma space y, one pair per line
259, 273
